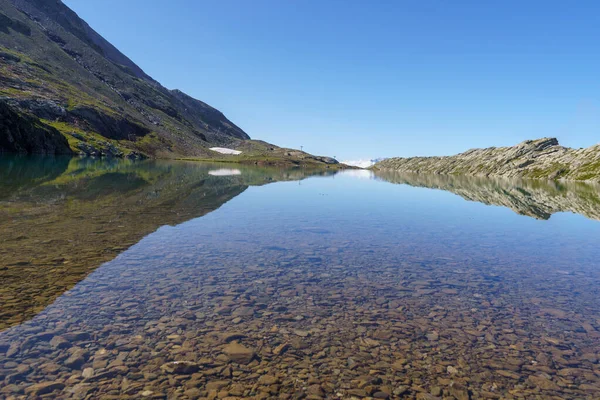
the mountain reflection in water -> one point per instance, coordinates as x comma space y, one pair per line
62, 217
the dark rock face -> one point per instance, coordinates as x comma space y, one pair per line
46, 109
108, 126
23, 134
326, 160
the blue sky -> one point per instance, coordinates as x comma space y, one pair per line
361, 79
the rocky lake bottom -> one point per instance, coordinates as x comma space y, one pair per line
180, 281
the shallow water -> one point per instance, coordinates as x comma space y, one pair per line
214, 284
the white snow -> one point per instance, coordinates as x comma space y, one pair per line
359, 163
224, 172
362, 163
224, 150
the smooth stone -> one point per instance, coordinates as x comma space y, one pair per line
231, 336
39, 389
77, 358
180, 367
543, 383
59, 342
268, 380
216, 385
452, 370
87, 373
239, 353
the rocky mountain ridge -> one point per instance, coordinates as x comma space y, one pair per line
57, 71
532, 159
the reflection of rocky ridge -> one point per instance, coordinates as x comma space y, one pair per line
61, 220
537, 199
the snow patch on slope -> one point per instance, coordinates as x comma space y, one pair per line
224, 150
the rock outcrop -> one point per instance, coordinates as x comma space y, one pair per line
22, 134
532, 159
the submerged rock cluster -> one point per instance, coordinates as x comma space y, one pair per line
332, 321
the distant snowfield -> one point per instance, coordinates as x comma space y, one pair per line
224, 172
224, 150
359, 163
363, 163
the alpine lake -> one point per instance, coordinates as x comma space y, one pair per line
183, 280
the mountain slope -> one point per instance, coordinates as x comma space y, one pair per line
534, 159
55, 67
